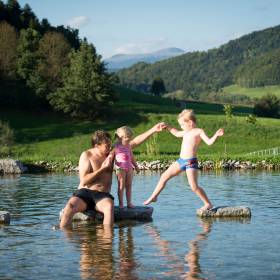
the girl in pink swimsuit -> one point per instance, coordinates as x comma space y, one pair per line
124, 162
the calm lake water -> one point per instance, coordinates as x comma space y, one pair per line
175, 245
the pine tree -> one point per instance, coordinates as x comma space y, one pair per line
158, 87
27, 54
53, 53
8, 45
87, 88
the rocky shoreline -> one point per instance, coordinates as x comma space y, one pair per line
10, 166
212, 165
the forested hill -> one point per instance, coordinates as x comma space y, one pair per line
23, 18
45, 67
197, 72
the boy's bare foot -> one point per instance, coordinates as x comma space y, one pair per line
150, 200
130, 205
206, 207
121, 206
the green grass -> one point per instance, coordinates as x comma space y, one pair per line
53, 138
252, 92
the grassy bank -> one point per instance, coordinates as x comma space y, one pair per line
53, 138
252, 92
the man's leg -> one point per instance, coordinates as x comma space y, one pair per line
74, 205
106, 206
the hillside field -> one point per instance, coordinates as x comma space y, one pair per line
252, 92
53, 138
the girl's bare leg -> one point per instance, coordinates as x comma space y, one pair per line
121, 175
173, 170
128, 188
192, 179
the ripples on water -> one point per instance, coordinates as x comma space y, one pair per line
176, 245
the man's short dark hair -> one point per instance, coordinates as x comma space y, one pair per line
100, 137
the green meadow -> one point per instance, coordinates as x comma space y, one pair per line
54, 138
252, 92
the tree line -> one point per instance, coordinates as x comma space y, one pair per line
50, 68
261, 71
199, 73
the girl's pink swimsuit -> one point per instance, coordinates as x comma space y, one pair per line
123, 157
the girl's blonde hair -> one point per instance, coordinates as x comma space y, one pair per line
187, 115
126, 130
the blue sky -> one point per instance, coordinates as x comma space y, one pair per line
141, 26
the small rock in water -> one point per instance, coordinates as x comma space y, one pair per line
225, 211
5, 217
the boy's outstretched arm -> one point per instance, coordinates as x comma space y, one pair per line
174, 131
210, 141
144, 136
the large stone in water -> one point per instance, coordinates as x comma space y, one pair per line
142, 213
5, 217
11, 166
225, 211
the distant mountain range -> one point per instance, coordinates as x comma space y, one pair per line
119, 61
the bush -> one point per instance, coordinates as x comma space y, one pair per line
251, 119
268, 106
228, 111
152, 147
6, 138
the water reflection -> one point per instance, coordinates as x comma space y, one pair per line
176, 264
96, 261
176, 245
127, 263
99, 259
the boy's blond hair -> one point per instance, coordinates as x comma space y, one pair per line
187, 115
127, 131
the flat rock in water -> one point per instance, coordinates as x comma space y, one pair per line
142, 213
5, 217
225, 211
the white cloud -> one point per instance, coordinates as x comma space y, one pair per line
146, 46
78, 22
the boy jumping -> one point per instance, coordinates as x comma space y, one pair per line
188, 161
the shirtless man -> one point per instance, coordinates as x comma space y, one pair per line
95, 172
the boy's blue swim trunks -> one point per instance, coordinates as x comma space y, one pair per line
188, 163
